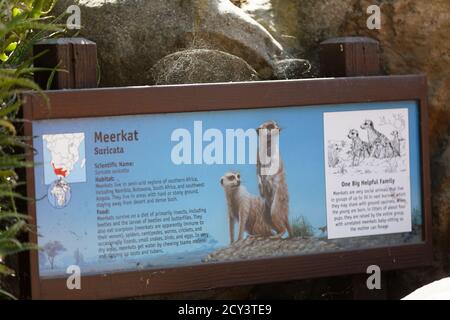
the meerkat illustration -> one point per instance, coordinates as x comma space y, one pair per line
381, 146
359, 149
396, 142
244, 208
272, 187
334, 151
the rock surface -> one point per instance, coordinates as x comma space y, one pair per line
201, 66
300, 25
254, 248
132, 35
257, 247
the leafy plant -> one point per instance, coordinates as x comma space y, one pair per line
22, 24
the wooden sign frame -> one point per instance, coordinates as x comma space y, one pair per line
232, 96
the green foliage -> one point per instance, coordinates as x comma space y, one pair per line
22, 24
302, 228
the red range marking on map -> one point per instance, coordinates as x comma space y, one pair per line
59, 171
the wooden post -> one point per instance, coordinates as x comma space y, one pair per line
349, 57
77, 56
353, 57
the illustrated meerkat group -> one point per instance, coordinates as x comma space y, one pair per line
377, 145
266, 214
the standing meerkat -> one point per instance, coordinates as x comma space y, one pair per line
272, 187
334, 158
381, 146
244, 208
359, 149
396, 142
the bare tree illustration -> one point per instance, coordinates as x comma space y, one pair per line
52, 249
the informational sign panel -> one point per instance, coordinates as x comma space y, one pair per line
137, 193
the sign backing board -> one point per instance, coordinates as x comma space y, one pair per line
133, 185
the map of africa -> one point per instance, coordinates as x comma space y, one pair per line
64, 157
59, 194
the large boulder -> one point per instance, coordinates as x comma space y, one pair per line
200, 66
132, 35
